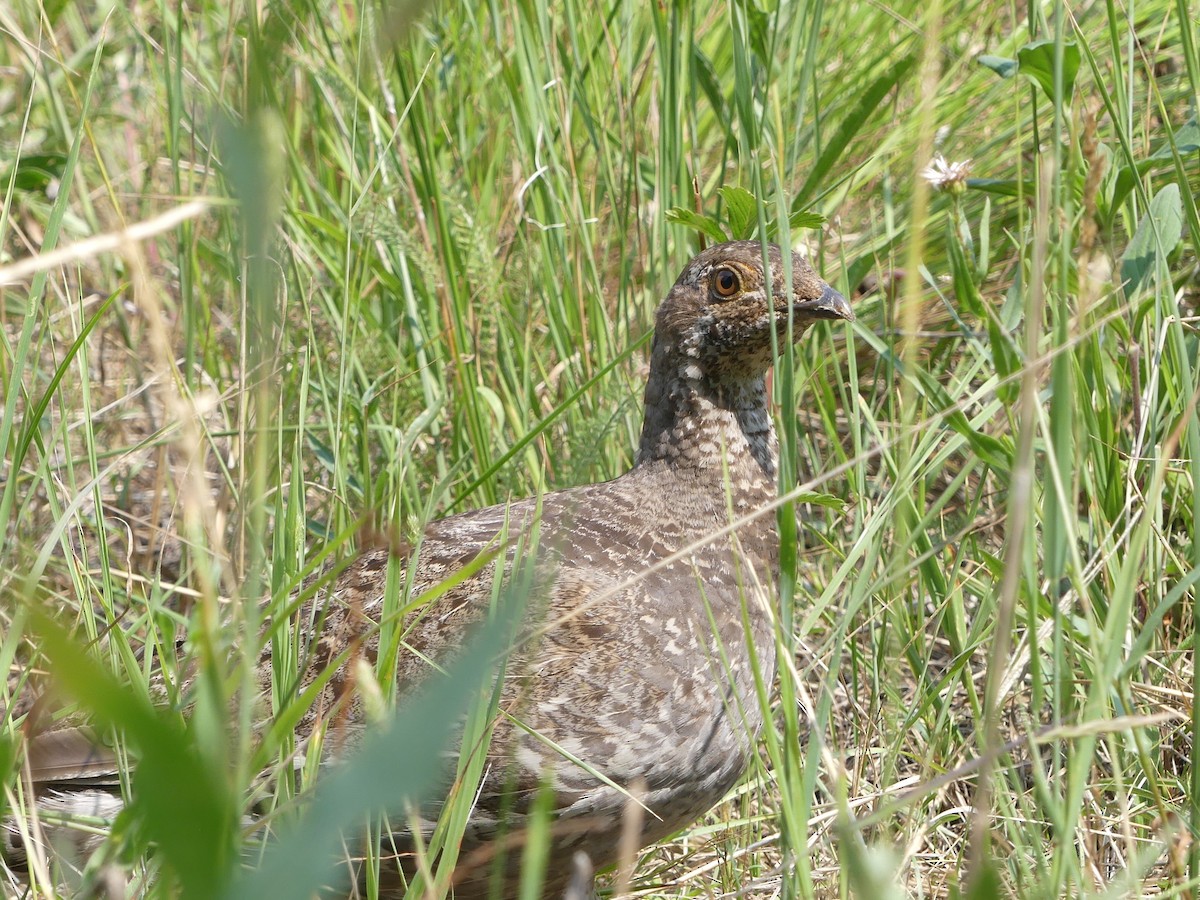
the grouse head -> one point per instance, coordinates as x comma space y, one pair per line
719, 318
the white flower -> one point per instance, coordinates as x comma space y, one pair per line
947, 176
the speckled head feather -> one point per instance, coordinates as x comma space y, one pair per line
720, 317
706, 404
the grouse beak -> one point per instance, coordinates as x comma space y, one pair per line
830, 305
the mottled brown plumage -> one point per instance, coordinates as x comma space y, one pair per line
648, 615
627, 674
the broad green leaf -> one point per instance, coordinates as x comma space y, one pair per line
1156, 236
536, 852
1187, 141
35, 171
409, 749
321, 451
829, 501
1004, 187
255, 171
1002, 66
760, 31
1036, 60
186, 806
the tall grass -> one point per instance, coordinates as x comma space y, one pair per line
434, 244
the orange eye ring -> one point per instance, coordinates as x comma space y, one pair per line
725, 283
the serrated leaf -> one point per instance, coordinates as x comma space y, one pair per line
697, 222
1001, 65
805, 219
797, 221
1156, 236
1036, 60
741, 211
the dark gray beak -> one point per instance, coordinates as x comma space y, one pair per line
830, 305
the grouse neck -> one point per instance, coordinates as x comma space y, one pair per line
710, 425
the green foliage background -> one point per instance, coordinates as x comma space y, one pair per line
433, 243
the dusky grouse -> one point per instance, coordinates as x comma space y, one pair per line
654, 612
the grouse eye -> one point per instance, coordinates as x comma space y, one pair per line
725, 283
